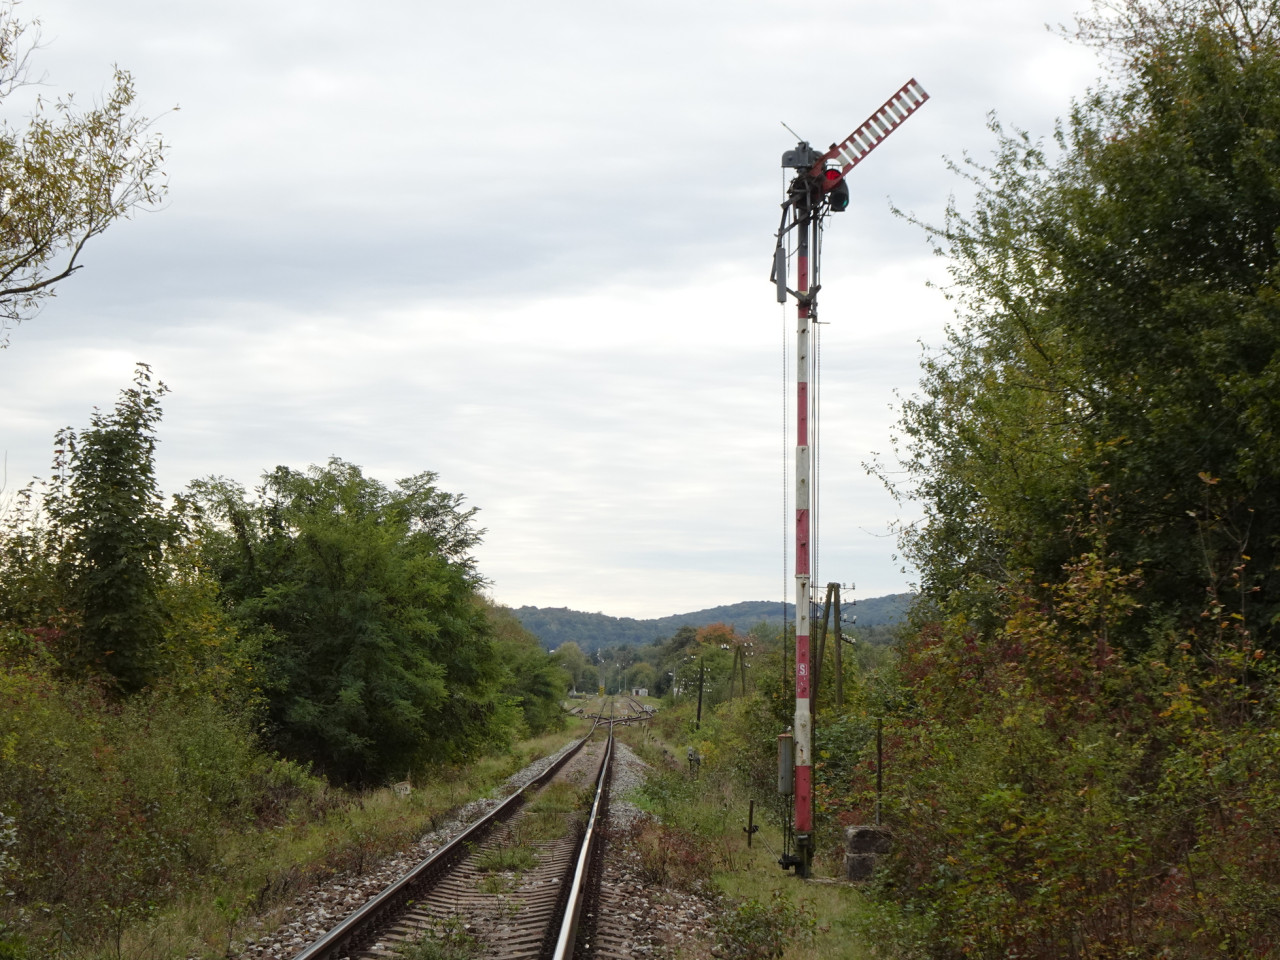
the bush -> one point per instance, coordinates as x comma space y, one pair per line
761, 931
1051, 797
670, 857
119, 806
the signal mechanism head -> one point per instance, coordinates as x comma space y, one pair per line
801, 158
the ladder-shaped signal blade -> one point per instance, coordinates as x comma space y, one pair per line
878, 126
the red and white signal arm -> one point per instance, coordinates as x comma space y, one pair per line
868, 136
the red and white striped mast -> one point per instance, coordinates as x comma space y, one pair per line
818, 189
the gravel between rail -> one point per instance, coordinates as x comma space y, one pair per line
315, 911
657, 922
644, 921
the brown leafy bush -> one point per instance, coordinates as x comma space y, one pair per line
668, 856
1052, 798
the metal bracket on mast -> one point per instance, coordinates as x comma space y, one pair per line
808, 298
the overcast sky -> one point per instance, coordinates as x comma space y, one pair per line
526, 246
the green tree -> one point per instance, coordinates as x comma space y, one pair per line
680, 644
381, 655
33, 595
107, 516
533, 679
1086, 684
570, 658
641, 674
65, 177
202, 652
1117, 333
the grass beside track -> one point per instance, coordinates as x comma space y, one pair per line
260, 874
766, 912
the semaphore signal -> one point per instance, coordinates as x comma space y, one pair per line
817, 190
877, 126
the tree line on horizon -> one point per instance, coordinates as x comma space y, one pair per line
591, 632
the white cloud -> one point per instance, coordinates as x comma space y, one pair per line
526, 246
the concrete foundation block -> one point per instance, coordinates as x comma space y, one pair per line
859, 866
863, 846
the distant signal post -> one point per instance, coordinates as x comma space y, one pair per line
817, 190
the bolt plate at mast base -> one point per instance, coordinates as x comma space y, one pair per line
802, 859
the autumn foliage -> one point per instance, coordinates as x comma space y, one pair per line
1053, 798
1083, 749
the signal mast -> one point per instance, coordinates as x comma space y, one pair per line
817, 190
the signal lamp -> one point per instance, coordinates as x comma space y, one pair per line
837, 190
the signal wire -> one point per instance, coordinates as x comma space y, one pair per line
815, 414
786, 436
786, 453
816, 440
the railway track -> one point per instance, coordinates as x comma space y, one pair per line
521, 883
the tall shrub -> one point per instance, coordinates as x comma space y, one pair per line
380, 656
106, 512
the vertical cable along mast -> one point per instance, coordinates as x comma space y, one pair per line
817, 190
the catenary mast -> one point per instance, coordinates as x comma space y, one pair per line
818, 189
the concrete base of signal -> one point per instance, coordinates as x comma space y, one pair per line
862, 848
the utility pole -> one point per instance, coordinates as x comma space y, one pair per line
816, 191
839, 646
830, 626
819, 660
697, 724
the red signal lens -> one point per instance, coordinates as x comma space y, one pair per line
836, 188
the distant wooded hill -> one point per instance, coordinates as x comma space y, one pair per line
590, 631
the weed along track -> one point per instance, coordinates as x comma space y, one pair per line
522, 882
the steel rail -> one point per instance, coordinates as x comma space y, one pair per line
643, 713
578, 889
362, 924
